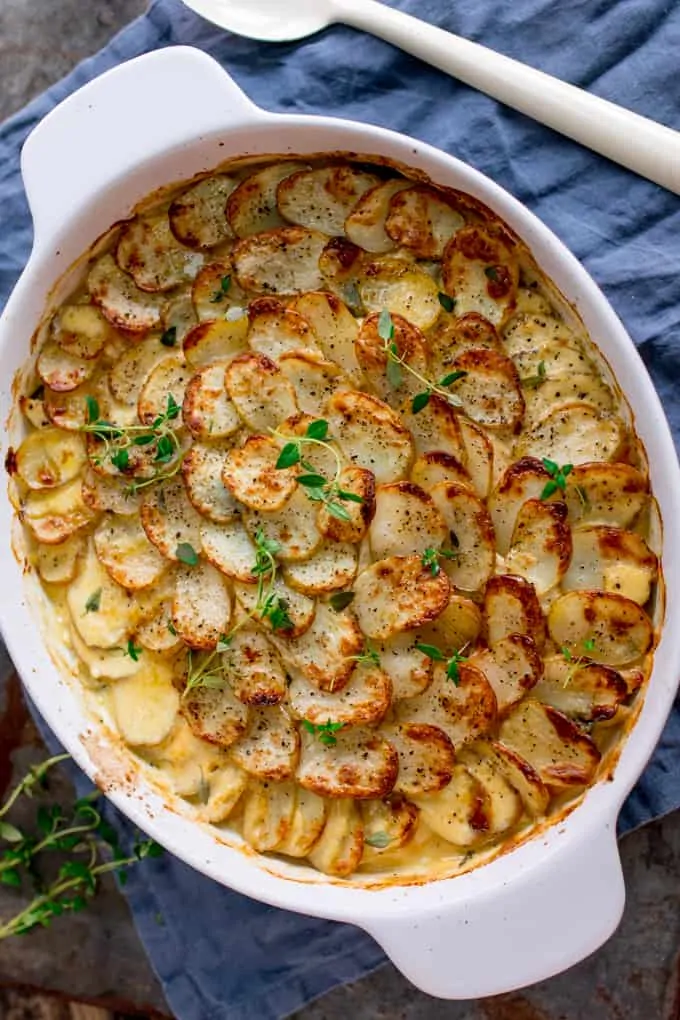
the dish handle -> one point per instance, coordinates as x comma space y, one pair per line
543, 921
119, 120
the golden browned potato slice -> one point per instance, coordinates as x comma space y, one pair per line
33, 409
313, 378
201, 607
522, 776
360, 764
457, 812
481, 273
454, 335
306, 824
102, 612
145, 706
169, 519
370, 434
361, 482
525, 479
402, 288
299, 608
252, 208
409, 344
490, 392
126, 553
104, 493
179, 316
583, 389
388, 824
284, 261
229, 548
333, 566
202, 472
216, 340
335, 329
458, 626
324, 653
558, 750
68, 411
398, 594
612, 494
339, 848
157, 632
251, 475
216, 296
322, 199
426, 757
540, 548
612, 559
609, 628
123, 304
151, 254
471, 533
50, 457
464, 710
583, 691
363, 700
267, 813
293, 527
58, 564
53, 515
274, 330
341, 264
573, 434
207, 410
422, 220
406, 522
198, 216
81, 330
255, 671
502, 805
168, 379
365, 225
260, 392
215, 714
61, 370
409, 669
436, 428
479, 457
437, 466
512, 667
225, 790
511, 606
270, 747
132, 368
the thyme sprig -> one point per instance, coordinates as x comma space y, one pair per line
324, 731
396, 363
532, 382
558, 477
317, 488
575, 662
452, 661
431, 557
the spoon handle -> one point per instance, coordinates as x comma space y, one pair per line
650, 149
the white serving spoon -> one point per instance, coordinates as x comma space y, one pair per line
650, 149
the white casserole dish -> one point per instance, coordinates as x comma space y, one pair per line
529, 913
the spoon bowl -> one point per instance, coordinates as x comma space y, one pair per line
267, 20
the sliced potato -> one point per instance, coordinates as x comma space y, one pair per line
406, 522
260, 392
558, 750
587, 692
522, 776
365, 225
82, 330
511, 606
313, 378
361, 482
132, 368
283, 261
251, 207
103, 613
101, 492
341, 264
426, 757
401, 287
201, 607
436, 428
126, 553
408, 343
612, 494
152, 255
270, 747
215, 714
453, 335
68, 411
471, 533
179, 316
581, 388
157, 632
267, 813
198, 216
323, 654
616, 629
481, 273
53, 515
225, 790
464, 710
456, 813
274, 330
524, 480
421, 219
103, 664
333, 566
398, 594
323, 198
202, 469
573, 434
33, 409
145, 706
189, 764
169, 519
611, 559
61, 370
50, 457
299, 609
490, 392
502, 805
229, 548
216, 340
363, 701
532, 332
251, 475
388, 824
360, 764
561, 357
167, 379
293, 527
216, 296
58, 564
339, 848
306, 824
540, 548
335, 329
123, 304
255, 672
512, 667
437, 466
207, 410
457, 626
370, 434
409, 669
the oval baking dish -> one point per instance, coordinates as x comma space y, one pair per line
564, 885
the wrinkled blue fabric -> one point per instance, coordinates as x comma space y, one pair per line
220, 955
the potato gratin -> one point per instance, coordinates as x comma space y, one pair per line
340, 516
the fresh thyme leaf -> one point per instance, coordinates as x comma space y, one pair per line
336, 510
379, 840
550, 466
566, 653
558, 477
452, 377
491, 272
452, 667
169, 337
317, 429
144, 440
532, 382
589, 644
431, 651
447, 303
165, 449
312, 481
94, 601
224, 643
341, 600
171, 628
223, 290
10, 833
430, 560
92, 410
289, 456
278, 615
309, 726
173, 408
583, 497
11, 877
393, 370
349, 497
133, 650
549, 489
267, 545
385, 325
186, 553
120, 459
420, 401
324, 731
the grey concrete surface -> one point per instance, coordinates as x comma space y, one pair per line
97, 955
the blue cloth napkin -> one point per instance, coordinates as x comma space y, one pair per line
220, 955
